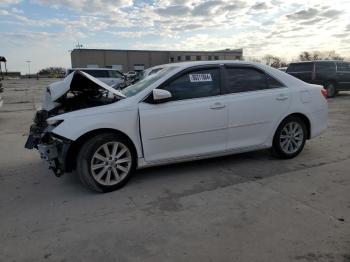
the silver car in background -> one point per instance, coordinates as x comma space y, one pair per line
111, 77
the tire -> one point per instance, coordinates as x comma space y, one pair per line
97, 162
286, 142
331, 89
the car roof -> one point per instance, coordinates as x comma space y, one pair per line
280, 75
317, 61
188, 64
89, 68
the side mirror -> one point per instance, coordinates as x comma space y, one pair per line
161, 95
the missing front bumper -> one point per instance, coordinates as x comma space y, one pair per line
55, 154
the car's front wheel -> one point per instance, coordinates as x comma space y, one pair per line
290, 137
106, 162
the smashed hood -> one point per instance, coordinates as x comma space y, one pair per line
74, 81
86, 89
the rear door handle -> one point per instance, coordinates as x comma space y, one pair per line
217, 105
282, 97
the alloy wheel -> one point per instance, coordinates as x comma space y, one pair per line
291, 137
111, 163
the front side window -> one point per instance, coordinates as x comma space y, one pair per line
195, 84
240, 79
344, 67
325, 67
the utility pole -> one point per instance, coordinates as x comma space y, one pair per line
79, 46
28, 62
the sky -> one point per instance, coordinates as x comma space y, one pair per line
44, 31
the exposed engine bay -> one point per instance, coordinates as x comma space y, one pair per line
78, 90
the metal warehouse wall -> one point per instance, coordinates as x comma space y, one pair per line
128, 58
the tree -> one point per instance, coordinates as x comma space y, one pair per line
305, 56
318, 55
52, 71
274, 61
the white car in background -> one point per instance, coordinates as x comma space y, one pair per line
151, 71
184, 112
109, 76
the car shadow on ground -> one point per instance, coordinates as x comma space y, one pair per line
226, 170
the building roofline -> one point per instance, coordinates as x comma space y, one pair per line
240, 50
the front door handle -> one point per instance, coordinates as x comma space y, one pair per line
282, 97
217, 105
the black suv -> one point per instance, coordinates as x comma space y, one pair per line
333, 75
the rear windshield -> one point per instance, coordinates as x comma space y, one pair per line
300, 67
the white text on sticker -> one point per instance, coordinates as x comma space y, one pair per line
200, 78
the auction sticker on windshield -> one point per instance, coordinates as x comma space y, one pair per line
200, 78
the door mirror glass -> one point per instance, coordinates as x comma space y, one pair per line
161, 95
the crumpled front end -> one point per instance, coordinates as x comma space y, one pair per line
77, 91
51, 148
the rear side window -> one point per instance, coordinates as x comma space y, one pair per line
325, 67
273, 83
195, 84
244, 79
300, 67
345, 67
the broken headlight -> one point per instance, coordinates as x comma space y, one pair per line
53, 122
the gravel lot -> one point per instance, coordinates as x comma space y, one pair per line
247, 207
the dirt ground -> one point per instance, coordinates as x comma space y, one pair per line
248, 207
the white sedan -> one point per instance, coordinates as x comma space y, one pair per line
184, 112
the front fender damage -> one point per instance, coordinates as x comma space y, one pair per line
77, 91
51, 147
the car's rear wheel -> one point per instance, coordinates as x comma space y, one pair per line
290, 137
331, 89
106, 162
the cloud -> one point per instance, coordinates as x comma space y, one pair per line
279, 27
174, 10
10, 2
16, 10
341, 35
332, 13
304, 14
207, 8
89, 6
260, 6
312, 21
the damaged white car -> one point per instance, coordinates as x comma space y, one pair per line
186, 111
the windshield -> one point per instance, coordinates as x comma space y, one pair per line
146, 82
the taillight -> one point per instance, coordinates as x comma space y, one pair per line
324, 92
